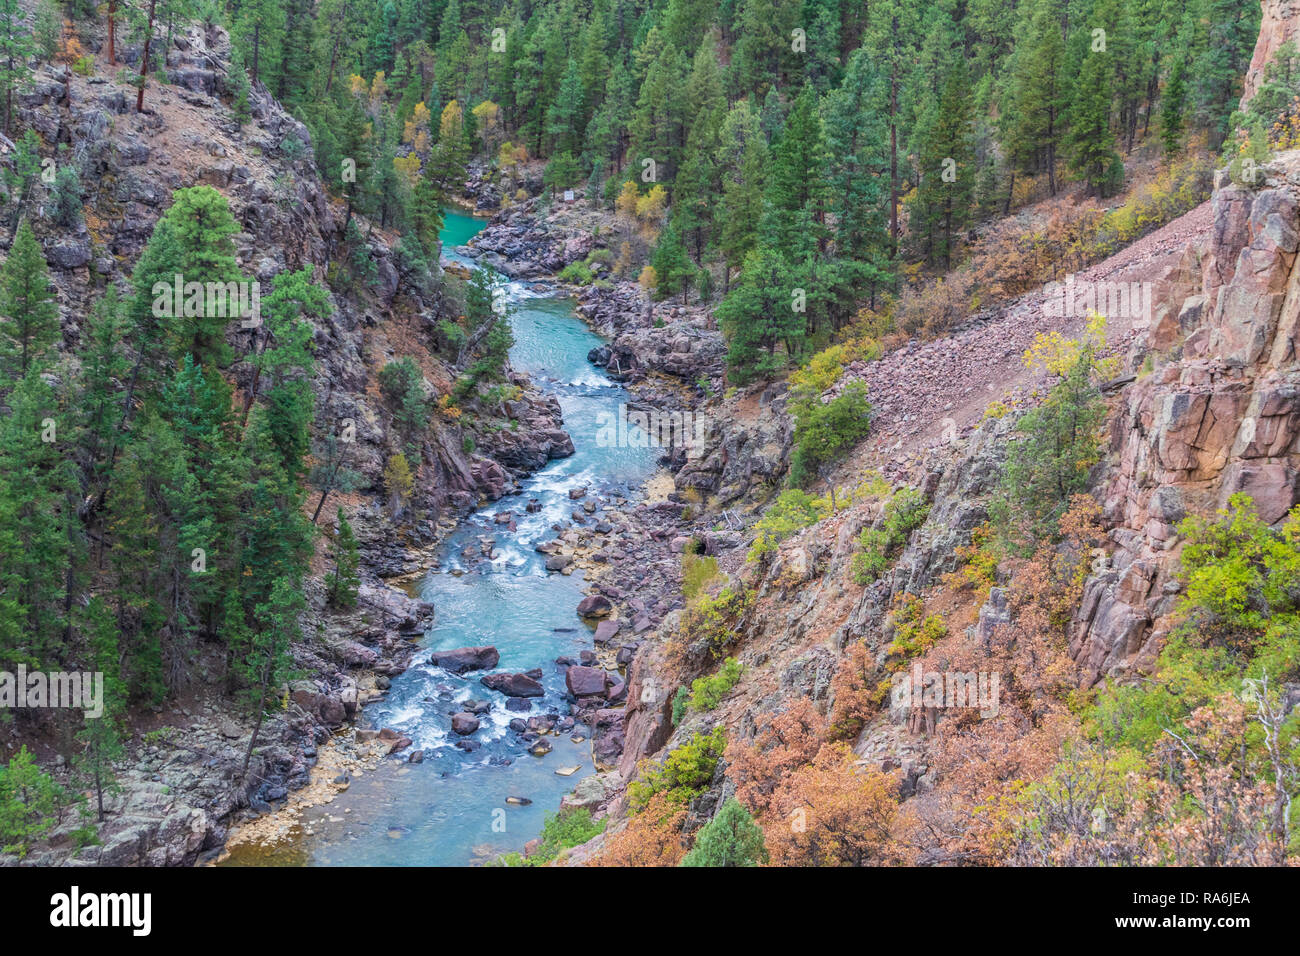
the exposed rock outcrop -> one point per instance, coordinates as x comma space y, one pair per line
1218, 414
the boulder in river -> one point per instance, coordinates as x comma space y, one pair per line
464, 724
586, 681
513, 685
595, 605
464, 659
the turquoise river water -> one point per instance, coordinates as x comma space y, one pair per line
452, 809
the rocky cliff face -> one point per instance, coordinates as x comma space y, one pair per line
1215, 411
1209, 406
1280, 22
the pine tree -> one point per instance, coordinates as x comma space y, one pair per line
237, 84
760, 51
145, 573
758, 316
104, 364
197, 406
37, 481
742, 160
699, 180
892, 38
1037, 92
276, 630
193, 241
101, 738
16, 45
345, 580
258, 32
658, 123
293, 77
282, 356
672, 268
1218, 70
1172, 106
330, 472
731, 838
278, 539
427, 201
946, 156
21, 174
857, 137
1089, 141
29, 316
565, 117
797, 198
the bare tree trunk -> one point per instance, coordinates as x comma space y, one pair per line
112, 32
144, 60
261, 711
257, 39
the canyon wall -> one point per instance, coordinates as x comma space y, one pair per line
1215, 411
1280, 22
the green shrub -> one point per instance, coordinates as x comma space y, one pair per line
824, 431
697, 571
451, 337
1245, 167
915, 632
873, 560
710, 625
402, 383
1049, 462
561, 173
903, 514
681, 700
1215, 705
576, 273
708, 692
562, 831
684, 774
792, 511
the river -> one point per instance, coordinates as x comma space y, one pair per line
452, 809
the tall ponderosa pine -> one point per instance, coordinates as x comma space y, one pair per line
946, 157
742, 161
29, 316
101, 738
1037, 92
16, 45
758, 317
857, 137
1089, 141
798, 196
37, 483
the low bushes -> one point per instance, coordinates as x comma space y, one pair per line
903, 514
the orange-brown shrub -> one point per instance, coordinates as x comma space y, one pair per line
827, 814
652, 837
789, 741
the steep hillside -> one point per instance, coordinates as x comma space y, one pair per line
182, 781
